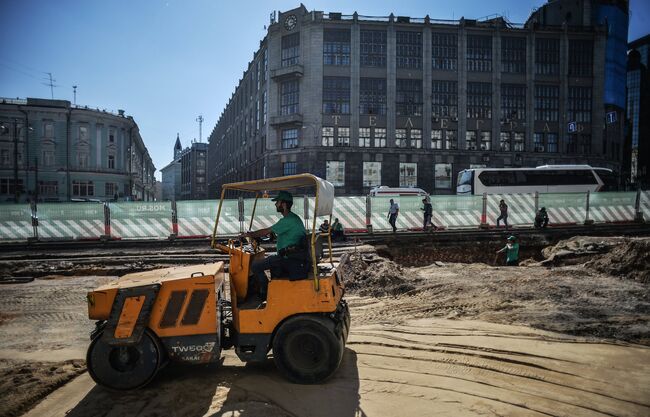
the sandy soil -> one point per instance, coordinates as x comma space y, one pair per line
421, 367
24, 383
445, 339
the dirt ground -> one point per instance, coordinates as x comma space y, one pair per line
558, 294
23, 383
568, 334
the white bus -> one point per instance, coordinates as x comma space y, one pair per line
543, 179
383, 190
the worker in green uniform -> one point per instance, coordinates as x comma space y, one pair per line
292, 257
512, 251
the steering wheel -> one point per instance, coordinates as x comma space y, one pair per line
248, 241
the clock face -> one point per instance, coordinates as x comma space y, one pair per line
290, 22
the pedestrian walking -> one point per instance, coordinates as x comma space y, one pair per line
512, 251
393, 212
428, 212
503, 209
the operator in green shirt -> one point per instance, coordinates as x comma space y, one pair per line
512, 251
292, 258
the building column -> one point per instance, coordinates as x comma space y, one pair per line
564, 92
598, 99
530, 90
462, 85
391, 83
496, 88
355, 82
426, 87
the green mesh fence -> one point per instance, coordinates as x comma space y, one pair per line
228, 219
457, 211
15, 222
70, 220
564, 208
410, 215
196, 218
131, 220
612, 206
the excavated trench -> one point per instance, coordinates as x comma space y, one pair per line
426, 253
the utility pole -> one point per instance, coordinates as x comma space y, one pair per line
51, 84
200, 120
74, 89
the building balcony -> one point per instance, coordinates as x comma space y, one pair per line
285, 73
288, 119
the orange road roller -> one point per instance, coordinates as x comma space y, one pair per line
183, 314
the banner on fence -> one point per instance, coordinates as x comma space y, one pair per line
612, 207
151, 219
565, 208
70, 220
133, 220
15, 222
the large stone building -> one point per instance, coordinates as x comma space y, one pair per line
403, 101
194, 184
638, 111
51, 150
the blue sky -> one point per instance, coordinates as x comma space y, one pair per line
167, 61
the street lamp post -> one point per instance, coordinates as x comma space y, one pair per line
36, 179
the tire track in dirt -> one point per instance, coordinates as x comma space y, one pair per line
524, 377
484, 397
457, 346
46, 314
467, 366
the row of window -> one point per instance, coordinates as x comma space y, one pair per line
48, 132
51, 188
444, 52
408, 173
444, 99
48, 159
375, 137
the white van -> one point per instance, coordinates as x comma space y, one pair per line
385, 191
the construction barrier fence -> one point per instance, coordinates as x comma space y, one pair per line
191, 219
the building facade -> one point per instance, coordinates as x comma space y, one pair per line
171, 174
638, 111
52, 151
194, 172
402, 101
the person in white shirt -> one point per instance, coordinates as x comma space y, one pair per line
393, 212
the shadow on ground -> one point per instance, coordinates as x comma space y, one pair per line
232, 390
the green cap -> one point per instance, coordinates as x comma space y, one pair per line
284, 196
512, 238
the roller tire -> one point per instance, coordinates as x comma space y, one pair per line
346, 321
125, 368
306, 349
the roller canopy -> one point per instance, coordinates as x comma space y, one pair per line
324, 189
